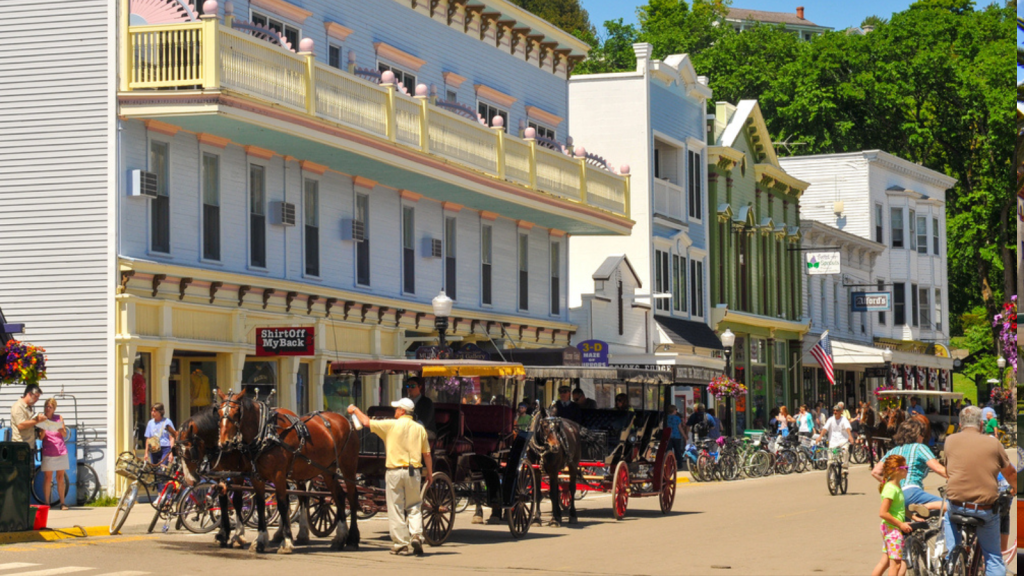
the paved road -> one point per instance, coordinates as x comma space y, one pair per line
782, 525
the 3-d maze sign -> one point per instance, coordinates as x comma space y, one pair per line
284, 341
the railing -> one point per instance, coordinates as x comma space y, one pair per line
207, 55
668, 199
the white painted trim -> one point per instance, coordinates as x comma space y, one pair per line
658, 134
695, 145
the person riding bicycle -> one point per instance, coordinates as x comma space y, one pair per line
909, 439
973, 462
839, 433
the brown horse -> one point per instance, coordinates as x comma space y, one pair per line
556, 445
281, 447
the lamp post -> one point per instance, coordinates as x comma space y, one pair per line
1001, 362
442, 310
728, 341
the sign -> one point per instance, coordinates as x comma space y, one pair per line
593, 352
284, 341
695, 374
874, 372
433, 353
819, 263
871, 301
471, 352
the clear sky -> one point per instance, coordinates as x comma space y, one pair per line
838, 14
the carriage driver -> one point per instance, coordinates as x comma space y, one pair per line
407, 451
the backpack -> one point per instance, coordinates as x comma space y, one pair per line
702, 428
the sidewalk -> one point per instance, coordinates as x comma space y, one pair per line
82, 521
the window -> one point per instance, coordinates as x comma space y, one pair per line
879, 225
451, 96
696, 287
408, 249
290, 33
524, 274
160, 207
542, 131
657, 164
661, 279
935, 236
914, 305
257, 217
401, 76
922, 234
556, 277
926, 319
334, 56
450, 268
693, 171
211, 207
488, 112
896, 227
899, 304
881, 315
363, 246
485, 264
938, 310
913, 231
679, 303
311, 230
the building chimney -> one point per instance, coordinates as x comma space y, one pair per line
643, 52
800, 12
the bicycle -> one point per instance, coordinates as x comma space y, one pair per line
967, 558
837, 477
195, 507
1007, 436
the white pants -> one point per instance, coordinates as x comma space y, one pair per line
405, 521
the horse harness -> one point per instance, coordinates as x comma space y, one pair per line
555, 425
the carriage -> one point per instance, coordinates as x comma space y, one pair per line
477, 454
941, 425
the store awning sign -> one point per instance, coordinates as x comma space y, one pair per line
871, 301
819, 263
285, 341
593, 352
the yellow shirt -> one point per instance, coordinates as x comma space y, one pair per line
200, 390
405, 441
19, 413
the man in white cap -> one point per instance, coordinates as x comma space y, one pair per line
407, 451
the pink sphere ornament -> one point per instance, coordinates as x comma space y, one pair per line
421, 89
624, 169
210, 7
306, 45
497, 122
580, 151
387, 77
530, 133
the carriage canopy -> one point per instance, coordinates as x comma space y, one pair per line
434, 368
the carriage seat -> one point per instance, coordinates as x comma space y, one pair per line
450, 431
484, 425
370, 443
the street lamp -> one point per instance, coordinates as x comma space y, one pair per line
728, 340
442, 310
1001, 362
887, 357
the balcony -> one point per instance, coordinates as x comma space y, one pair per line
241, 86
668, 200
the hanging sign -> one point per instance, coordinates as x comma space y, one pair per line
819, 263
871, 301
593, 352
285, 341
471, 352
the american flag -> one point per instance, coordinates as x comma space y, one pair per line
822, 352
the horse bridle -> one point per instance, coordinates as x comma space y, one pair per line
552, 428
235, 443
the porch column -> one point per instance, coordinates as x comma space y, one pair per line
122, 410
161, 375
317, 371
236, 362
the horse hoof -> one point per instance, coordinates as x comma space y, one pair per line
257, 548
477, 520
284, 550
555, 524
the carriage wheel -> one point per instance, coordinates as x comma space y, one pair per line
438, 509
323, 511
668, 483
521, 512
620, 491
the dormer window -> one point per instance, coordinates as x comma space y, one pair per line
401, 76
489, 111
290, 33
542, 131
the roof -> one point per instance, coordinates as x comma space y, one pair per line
611, 264
769, 17
689, 333
748, 109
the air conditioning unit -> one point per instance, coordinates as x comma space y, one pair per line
282, 213
143, 184
354, 230
433, 248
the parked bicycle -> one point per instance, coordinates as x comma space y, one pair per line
194, 507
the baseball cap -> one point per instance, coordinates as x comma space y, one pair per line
405, 404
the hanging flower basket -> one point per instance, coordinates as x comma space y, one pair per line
886, 402
725, 387
1004, 396
21, 363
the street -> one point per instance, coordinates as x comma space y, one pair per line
780, 525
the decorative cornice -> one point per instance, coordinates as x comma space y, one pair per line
485, 215
524, 224
452, 79
161, 127
317, 169
556, 233
499, 98
410, 195
284, 9
211, 140
543, 116
403, 59
451, 206
362, 182
337, 31
258, 152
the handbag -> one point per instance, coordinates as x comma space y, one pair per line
153, 444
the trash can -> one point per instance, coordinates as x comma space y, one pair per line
71, 474
15, 486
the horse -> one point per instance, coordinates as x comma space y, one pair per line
196, 447
280, 447
556, 445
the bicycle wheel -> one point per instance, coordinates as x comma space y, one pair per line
730, 468
88, 485
164, 504
859, 454
757, 464
803, 462
915, 554
124, 506
956, 565
844, 480
199, 508
833, 484
37, 488
785, 462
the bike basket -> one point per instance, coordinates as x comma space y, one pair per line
756, 437
130, 466
806, 442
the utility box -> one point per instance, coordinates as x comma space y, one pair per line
15, 486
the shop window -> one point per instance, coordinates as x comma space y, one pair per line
211, 207
160, 206
342, 390
259, 378
202, 380
141, 401
302, 389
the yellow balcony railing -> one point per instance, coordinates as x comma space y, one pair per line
208, 55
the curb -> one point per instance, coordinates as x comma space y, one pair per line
53, 534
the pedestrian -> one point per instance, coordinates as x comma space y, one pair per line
698, 424
424, 406
909, 440
159, 434
675, 424
991, 422
22, 418
523, 420
406, 453
893, 516
783, 420
55, 452
805, 422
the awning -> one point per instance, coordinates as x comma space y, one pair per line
845, 353
688, 333
433, 368
631, 375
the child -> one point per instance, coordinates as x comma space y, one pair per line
893, 515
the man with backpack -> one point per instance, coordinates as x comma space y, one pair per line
699, 424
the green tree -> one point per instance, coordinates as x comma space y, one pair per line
874, 20
568, 15
613, 53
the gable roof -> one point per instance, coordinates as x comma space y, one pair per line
744, 110
611, 264
769, 17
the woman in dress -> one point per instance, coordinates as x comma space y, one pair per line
159, 434
55, 452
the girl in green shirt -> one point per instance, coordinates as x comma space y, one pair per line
893, 516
